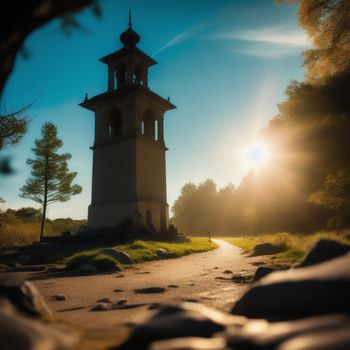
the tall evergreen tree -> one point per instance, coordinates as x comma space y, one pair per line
51, 180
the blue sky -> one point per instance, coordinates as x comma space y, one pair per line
224, 63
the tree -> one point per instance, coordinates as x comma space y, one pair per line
21, 18
327, 23
17, 22
51, 180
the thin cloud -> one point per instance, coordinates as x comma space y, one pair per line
272, 42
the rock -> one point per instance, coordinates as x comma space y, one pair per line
24, 333
154, 306
100, 307
190, 343
262, 271
223, 278
266, 249
23, 296
319, 289
176, 321
227, 271
164, 254
149, 290
118, 290
262, 335
173, 286
120, 276
119, 255
127, 306
23, 259
161, 252
29, 268
335, 339
104, 300
323, 250
58, 297
237, 278
88, 268
258, 263
121, 302
190, 300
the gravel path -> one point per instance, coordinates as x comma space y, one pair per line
201, 277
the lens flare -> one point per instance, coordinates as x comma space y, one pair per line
257, 154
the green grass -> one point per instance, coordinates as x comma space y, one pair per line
102, 262
294, 245
146, 250
140, 251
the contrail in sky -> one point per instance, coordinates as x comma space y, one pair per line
179, 38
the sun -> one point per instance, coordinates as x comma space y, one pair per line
257, 154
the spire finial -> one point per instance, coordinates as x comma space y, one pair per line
129, 18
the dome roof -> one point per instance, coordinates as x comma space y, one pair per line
129, 37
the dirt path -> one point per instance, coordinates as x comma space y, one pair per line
195, 277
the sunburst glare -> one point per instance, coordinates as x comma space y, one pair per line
257, 154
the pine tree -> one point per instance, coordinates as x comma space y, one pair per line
51, 180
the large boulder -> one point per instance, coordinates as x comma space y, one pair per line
262, 271
23, 296
176, 321
88, 268
296, 293
323, 250
262, 335
119, 255
23, 333
266, 249
25, 319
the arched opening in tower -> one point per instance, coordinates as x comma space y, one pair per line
148, 125
114, 126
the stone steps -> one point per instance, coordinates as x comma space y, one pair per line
172, 237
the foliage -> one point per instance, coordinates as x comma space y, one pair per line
295, 245
102, 262
12, 127
327, 23
20, 227
196, 202
51, 180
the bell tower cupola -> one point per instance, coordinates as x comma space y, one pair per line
129, 65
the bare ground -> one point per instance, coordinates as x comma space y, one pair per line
197, 277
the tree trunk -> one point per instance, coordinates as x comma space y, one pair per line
43, 217
43, 221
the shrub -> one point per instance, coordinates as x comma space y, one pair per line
102, 262
77, 260
105, 263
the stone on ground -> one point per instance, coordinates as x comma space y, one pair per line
319, 289
119, 255
266, 249
323, 250
150, 290
88, 268
24, 296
